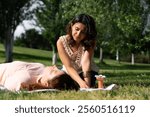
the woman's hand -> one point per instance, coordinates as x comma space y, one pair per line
83, 84
88, 81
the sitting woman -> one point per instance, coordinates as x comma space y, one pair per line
76, 50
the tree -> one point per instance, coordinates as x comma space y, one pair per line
145, 41
130, 24
119, 22
50, 19
12, 12
32, 39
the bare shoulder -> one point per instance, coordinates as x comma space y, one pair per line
61, 40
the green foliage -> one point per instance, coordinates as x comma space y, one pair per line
10, 14
32, 39
120, 23
13, 12
49, 18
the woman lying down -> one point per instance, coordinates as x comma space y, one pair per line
19, 75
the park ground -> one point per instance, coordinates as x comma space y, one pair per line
133, 81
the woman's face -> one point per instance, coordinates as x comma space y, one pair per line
78, 31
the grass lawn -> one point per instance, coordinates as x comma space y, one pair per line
133, 80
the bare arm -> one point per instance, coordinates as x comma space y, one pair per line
67, 63
86, 65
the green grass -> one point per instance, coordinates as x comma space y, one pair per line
27, 54
133, 80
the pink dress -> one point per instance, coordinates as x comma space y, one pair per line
13, 74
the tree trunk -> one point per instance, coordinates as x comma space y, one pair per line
101, 55
54, 58
117, 55
132, 59
54, 61
8, 44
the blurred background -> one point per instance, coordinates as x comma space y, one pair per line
123, 26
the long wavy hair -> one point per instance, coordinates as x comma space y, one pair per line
90, 32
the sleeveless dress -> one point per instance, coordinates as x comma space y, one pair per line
13, 74
75, 57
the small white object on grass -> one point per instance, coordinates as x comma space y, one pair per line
100, 76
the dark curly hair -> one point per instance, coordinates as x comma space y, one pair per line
91, 32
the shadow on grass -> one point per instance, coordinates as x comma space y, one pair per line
26, 56
123, 66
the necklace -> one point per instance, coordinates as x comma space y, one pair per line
74, 48
76, 56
